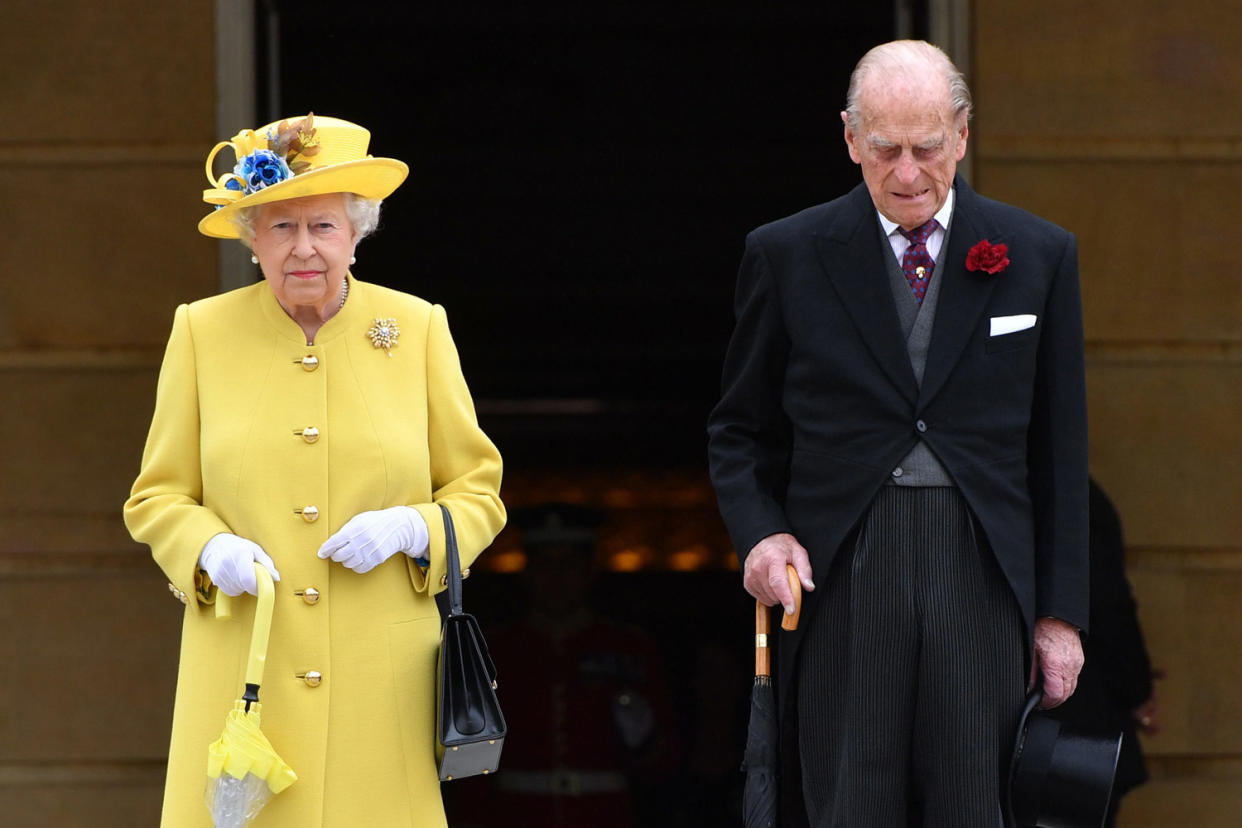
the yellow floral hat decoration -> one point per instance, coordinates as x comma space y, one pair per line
291, 159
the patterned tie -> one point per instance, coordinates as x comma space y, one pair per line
917, 263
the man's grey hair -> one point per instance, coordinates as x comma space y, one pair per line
906, 60
363, 215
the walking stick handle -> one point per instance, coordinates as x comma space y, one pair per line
763, 625
790, 621
763, 652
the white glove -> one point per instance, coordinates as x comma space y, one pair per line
370, 538
229, 562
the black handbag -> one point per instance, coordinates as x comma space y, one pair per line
470, 728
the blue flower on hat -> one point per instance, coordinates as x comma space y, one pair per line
262, 168
231, 184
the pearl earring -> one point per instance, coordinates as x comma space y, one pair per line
353, 260
254, 259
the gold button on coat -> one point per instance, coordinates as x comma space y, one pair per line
313, 678
310, 595
310, 434
465, 573
247, 419
309, 362
310, 514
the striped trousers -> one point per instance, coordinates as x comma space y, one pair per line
911, 677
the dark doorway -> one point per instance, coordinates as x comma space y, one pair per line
582, 179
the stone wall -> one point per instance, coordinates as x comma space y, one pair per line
1116, 120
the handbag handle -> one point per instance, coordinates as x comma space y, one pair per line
452, 562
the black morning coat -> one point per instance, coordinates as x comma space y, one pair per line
819, 402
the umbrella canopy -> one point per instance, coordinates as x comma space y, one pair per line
761, 793
243, 769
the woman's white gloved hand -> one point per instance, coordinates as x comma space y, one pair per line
370, 538
229, 561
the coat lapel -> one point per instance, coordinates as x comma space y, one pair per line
963, 294
850, 252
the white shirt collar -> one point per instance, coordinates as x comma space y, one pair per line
943, 215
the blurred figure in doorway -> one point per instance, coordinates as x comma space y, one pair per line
1115, 691
591, 737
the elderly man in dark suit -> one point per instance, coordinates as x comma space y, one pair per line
903, 420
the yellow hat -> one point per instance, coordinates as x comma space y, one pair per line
291, 159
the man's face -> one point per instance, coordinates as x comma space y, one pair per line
908, 146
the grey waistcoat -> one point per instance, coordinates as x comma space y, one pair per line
920, 467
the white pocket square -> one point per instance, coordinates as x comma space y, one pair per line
1002, 325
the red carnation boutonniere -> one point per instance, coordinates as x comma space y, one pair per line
988, 257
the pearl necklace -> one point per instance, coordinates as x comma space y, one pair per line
344, 292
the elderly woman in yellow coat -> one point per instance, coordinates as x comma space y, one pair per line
312, 423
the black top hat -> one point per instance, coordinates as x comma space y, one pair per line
1059, 778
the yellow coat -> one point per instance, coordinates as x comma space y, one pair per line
224, 455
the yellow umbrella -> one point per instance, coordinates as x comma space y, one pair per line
243, 770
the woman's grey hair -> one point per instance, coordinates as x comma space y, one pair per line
902, 59
363, 215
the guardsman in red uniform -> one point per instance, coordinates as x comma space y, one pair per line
589, 718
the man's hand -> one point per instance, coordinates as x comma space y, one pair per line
764, 573
1058, 653
1147, 714
1147, 717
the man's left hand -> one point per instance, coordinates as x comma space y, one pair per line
1058, 654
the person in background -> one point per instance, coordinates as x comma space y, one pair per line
1115, 688
312, 423
589, 716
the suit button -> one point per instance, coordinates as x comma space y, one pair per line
309, 362
313, 678
310, 514
921, 426
310, 434
897, 472
310, 595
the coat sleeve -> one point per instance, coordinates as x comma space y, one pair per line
1057, 453
465, 465
748, 433
165, 507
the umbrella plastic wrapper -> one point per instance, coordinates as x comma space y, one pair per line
243, 770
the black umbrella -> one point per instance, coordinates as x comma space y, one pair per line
759, 797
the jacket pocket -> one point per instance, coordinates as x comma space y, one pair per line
413, 646
1012, 341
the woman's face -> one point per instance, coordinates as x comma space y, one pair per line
304, 246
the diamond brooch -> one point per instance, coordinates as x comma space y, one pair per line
384, 333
